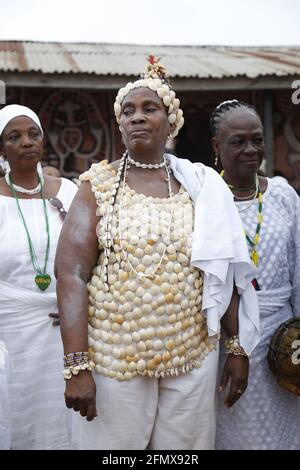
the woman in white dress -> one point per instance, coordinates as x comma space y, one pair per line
267, 416
32, 208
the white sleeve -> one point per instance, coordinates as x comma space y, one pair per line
294, 253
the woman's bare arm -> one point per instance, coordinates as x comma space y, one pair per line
76, 256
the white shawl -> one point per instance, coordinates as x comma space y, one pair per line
219, 249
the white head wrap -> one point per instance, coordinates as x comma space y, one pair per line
12, 111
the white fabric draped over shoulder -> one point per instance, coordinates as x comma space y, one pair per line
219, 249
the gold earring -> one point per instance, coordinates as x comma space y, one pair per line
216, 159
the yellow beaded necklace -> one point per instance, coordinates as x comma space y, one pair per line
253, 243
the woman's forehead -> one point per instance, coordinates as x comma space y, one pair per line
240, 120
18, 123
141, 94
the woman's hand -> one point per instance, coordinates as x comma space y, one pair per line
236, 370
80, 394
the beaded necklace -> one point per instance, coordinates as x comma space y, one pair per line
108, 227
20, 189
242, 190
42, 279
168, 237
147, 166
253, 243
121, 176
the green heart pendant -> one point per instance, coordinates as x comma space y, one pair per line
43, 281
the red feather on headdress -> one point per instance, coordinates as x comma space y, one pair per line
152, 60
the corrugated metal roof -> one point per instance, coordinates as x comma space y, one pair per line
123, 59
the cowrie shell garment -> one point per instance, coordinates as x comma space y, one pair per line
145, 326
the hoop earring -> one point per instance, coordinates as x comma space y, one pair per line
216, 159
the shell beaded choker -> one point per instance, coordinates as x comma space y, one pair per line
148, 166
22, 190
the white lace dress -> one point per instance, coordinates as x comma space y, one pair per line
38, 416
268, 416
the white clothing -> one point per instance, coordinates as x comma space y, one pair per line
36, 386
5, 425
178, 412
219, 249
267, 416
168, 413
17, 268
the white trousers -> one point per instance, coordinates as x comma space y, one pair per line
174, 413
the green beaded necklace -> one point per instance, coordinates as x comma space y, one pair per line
42, 279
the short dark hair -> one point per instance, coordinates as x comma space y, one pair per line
220, 111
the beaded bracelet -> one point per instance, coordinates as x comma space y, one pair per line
232, 346
75, 362
68, 372
75, 358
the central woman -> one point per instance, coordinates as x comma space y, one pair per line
160, 245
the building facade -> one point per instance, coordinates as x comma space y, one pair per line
72, 87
